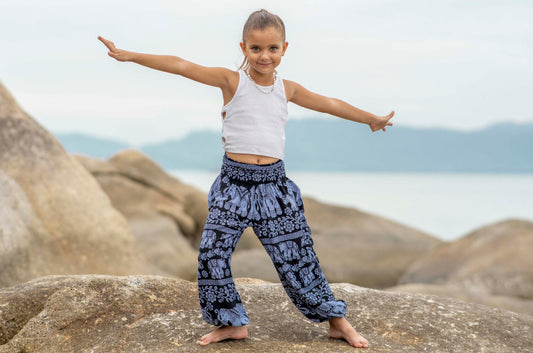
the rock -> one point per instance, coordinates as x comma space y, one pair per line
352, 246
164, 246
137, 166
155, 211
132, 314
493, 260
521, 306
186, 205
54, 217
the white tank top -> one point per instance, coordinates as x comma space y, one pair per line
255, 121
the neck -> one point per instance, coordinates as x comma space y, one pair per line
261, 78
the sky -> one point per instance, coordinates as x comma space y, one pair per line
458, 64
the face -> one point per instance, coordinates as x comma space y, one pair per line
264, 49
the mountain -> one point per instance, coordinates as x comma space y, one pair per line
341, 145
90, 145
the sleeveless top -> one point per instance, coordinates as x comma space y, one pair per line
255, 121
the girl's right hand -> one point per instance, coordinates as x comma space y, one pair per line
118, 54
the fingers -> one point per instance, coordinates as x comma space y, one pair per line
109, 44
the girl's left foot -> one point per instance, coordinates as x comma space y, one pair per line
340, 328
224, 333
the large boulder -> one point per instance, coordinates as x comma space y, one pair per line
353, 246
165, 215
54, 217
493, 260
186, 205
155, 314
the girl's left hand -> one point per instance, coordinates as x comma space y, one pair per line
380, 122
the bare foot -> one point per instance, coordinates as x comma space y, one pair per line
223, 333
339, 327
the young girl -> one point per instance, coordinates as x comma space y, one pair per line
252, 189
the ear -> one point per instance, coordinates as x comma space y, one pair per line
284, 48
243, 48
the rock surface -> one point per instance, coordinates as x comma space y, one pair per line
155, 314
54, 217
164, 194
493, 260
521, 306
165, 215
353, 246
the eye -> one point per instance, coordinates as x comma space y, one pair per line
256, 49
274, 48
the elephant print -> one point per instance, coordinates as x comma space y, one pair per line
307, 275
289, 250
216, 267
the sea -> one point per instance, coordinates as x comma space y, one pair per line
447, 206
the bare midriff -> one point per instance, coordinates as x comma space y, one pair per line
251, 158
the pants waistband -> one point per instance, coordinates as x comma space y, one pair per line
252, 172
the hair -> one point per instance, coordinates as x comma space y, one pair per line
260, 20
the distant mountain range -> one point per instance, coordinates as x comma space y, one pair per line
340, 145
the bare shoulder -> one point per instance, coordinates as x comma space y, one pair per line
290, 88
232, 78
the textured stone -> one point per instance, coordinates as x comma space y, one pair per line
156, 314
493, 260
137, 166
154, 208
54, 217
521, 306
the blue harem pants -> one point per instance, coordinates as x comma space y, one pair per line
259, 196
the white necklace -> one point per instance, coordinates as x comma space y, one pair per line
259, 87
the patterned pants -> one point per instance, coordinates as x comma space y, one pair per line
262, 197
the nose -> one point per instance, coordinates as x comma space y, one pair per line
264, 55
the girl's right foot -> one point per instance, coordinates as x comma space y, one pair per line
340, 328
223, 333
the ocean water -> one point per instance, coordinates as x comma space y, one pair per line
447, 206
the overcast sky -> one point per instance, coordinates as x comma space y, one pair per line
460, 64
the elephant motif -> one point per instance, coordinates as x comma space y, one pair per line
208, 239
233, 317
293, 281
306, 274
216, 268
289, 250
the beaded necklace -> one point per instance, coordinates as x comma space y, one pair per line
259, 87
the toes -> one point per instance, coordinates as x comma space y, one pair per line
204, 341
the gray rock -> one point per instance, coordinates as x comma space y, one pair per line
54, 217
156, 314
493, 260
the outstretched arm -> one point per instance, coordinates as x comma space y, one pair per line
213, 76
307, 99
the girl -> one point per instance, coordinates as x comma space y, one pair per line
252, 189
